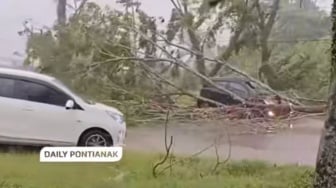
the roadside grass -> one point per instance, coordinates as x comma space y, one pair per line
135, 171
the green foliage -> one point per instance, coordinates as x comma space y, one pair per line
92, 53
297, 22
135, 170
303, 181
300, 57
306, 68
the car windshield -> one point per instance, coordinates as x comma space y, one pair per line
83, 98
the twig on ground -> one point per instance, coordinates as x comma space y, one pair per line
305, 115
191, 157
218, 161
168, 147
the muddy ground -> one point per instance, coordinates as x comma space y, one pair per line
279, 144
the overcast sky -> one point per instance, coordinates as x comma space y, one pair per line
43, 12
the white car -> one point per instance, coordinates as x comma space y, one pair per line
38, 110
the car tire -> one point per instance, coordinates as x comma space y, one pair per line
96, 138
202, 104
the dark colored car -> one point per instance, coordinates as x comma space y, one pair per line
239, 86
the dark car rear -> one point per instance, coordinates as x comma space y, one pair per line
241, 87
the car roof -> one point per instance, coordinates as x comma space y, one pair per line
243, 81
25, 73
230, 79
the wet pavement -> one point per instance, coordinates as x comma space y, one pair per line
297, 145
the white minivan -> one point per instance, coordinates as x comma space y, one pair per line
39, 110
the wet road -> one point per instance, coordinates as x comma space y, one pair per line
298, 145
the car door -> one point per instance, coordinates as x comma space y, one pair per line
46, 118
10, 111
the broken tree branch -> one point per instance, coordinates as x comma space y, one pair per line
181, 64
234, 69
147, 68
189, 69
233, 42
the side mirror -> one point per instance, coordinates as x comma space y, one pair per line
70, 104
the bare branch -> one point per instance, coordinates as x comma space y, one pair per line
191, 157
177, 6
167, 147
232, 68
233, 41
80, 7
157, 75
187, 68
218, 161
180, 89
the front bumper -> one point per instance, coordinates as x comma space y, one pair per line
121, 137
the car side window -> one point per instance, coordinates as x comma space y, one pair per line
6, 87
35, 92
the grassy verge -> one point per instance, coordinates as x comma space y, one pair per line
135, 170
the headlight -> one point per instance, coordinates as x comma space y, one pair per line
270, 114
117, 117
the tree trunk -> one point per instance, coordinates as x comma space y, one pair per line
61, 11
326, 157
61, 67
266, 69
200, 62
230, 48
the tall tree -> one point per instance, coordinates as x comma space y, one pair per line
61, 11
265, 24
326, 159
184, 25
241, 11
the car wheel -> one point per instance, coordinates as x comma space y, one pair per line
202, 104
205, 105
96, 138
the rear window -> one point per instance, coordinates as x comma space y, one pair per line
239, 89
222, 84
6, 87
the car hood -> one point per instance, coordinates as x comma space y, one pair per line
104, 107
